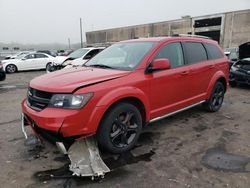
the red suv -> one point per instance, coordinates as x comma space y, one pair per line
126, 86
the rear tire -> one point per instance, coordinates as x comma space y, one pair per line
120, 128
11, 68
214, 103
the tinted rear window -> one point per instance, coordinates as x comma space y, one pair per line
195, 52
213, 51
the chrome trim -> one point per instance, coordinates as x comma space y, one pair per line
175, 112
23, 127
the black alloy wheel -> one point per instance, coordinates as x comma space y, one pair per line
216, 99
120, 128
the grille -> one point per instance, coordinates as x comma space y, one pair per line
38, 100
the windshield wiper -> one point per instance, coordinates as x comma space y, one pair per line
101, 66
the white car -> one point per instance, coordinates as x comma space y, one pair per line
76, 58
31, 61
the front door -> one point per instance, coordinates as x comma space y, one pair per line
27, 62
169, 89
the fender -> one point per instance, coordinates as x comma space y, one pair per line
215, 77
124, 92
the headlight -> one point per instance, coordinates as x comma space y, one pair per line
69, 101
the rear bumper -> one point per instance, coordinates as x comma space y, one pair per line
239, 77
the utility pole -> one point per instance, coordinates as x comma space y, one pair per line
81, 32
69, 43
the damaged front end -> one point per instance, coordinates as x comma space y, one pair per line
83, 154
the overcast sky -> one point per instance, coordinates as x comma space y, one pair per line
51, 21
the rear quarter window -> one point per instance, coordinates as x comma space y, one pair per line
213, 51
194, 52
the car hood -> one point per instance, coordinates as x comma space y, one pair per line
69, 80
60, 59
78, 61
244, 50
9, 61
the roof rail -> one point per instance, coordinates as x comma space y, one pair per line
189, 35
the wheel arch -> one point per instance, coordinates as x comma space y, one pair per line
219, 76
131, 100
5, 69
131, 95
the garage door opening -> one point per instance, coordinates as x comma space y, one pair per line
215, 35
208, 22
209, 27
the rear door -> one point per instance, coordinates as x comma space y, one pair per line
41, 61
201, 70
169, 89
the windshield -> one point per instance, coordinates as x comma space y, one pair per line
20, 56
124, 56
78, 53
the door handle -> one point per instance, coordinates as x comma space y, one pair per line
184, 72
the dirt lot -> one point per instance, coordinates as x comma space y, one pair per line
191, 149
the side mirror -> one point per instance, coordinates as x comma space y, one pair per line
159, 64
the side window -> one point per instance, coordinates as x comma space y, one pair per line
195, 52
91, 54
172, 52
213, 51
30, 56
40, 56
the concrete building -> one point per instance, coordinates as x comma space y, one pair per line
230, 29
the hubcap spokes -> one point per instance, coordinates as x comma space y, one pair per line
124, 129
11, 68
217, 97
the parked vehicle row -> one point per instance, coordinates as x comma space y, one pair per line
43, 60
31, 61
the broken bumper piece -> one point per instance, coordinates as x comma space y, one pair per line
83, 154
86, 160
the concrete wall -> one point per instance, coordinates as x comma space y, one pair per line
235, 29
147, 30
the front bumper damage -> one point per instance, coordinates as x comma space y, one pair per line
83, 154
239, 77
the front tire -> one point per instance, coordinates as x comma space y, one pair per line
11, 68
48, 67
214, 103
120, 128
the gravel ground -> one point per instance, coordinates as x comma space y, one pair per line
191, 149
